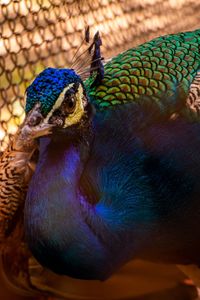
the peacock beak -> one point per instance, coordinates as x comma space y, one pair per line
34, 125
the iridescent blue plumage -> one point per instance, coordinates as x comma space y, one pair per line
127, 194
47, 87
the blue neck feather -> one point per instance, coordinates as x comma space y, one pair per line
57, 232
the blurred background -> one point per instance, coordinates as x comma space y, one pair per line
35, 34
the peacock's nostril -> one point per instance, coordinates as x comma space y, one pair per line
57, 120
35, 119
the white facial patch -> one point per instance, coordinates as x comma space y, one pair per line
76, 116
58, 102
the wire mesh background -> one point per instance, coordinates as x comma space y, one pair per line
35, 34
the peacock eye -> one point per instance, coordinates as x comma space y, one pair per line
69, 104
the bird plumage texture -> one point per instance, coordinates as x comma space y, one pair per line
15, 174
122, 182
152, 69
145, 192
17, 164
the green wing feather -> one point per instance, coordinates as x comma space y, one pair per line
160, 66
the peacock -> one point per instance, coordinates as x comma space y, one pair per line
117, 177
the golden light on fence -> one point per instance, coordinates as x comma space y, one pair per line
12, 120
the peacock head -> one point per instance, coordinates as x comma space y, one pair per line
61, 96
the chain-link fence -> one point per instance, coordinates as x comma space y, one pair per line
35, 34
